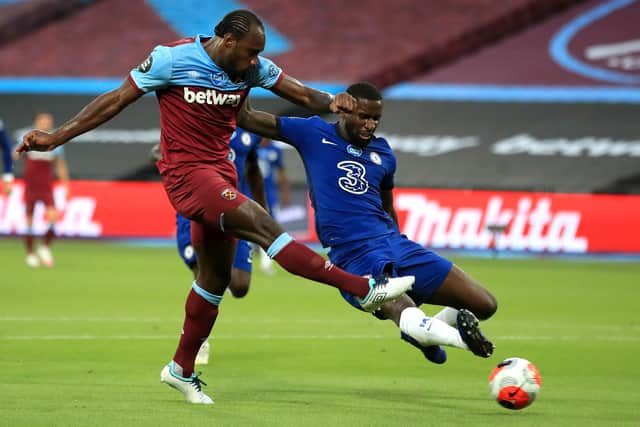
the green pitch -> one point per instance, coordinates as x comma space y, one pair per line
82, 344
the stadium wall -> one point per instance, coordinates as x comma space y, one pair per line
552, 223
566, 147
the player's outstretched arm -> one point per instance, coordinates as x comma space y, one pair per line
98, 111
260, 122
315, 100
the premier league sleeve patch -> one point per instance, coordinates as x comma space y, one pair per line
146, 64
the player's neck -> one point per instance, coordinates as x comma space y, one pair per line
342, 131
212, 47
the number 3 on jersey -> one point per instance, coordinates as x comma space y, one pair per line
353, 182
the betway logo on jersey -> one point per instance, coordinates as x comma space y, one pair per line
531, 225
211, 97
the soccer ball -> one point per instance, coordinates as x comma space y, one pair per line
515, 383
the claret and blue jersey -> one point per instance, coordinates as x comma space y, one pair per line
198, 100
344, 180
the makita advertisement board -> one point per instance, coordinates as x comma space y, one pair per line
452, 219
555, 147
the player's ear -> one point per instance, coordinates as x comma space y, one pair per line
229, 40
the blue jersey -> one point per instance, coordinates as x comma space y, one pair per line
243, 146
5, 144
270, 159
345, 181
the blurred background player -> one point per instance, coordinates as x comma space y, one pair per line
39, 177
7, 161
350, 173
243, 152
276, 188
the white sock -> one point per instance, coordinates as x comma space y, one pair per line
429, 331
265, 262
448, 315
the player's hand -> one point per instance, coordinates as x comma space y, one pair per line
36, 140
343, 102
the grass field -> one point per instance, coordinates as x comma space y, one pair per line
83, 344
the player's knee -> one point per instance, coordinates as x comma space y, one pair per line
266, 226
239, 290
239, 284
487, 307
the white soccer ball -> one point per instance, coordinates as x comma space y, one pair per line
515, 383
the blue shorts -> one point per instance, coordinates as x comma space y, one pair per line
183, 239
397, 256
242, 261
242, 258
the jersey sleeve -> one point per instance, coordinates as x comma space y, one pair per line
155, 72
5, 144
58, 153
266, 74
294, 129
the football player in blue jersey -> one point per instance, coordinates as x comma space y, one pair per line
7, 171
350, 174
276, 188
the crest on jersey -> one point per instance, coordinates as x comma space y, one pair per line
246, 138
273, 70
146, 64
229, 194
375, 158
232, 155
354, 151
188, 252
217, 78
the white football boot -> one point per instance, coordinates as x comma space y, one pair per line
45, 256
383, 289
190, 387
32, 260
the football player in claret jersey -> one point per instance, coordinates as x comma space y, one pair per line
201, 84
39, 168
350, 175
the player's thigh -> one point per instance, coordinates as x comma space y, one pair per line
214, 251
460, 290
429, 268
251, 222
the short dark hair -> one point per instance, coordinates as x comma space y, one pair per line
238, 23
364, 90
